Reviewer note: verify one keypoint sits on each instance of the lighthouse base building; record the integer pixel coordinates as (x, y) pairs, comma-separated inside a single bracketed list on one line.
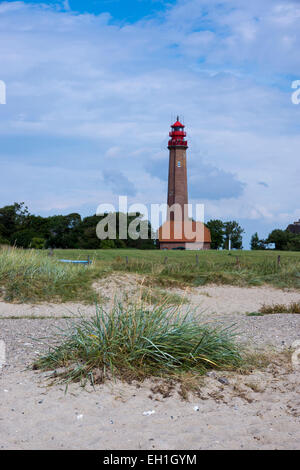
[(180, 232), (190, 236)]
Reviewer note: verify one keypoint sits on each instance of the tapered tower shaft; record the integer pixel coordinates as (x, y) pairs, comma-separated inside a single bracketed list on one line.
[(177, 181)]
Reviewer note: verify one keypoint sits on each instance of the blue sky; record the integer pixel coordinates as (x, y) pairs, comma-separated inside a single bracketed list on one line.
[(92, 88), (124, 11)]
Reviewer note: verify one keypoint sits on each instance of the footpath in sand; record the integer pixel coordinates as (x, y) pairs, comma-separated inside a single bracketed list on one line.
[(260, 410)]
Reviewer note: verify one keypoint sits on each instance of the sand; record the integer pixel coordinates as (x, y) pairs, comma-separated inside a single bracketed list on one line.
[(260, 410)]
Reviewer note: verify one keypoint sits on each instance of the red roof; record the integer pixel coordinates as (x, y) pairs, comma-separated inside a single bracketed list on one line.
[(177, 124)]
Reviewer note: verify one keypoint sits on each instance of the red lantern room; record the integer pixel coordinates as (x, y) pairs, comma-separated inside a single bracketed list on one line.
[(177, 135)]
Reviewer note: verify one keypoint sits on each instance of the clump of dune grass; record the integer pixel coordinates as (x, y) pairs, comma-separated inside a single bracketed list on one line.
[(293, 307), (158, 296), (31, 276), (134, 342)]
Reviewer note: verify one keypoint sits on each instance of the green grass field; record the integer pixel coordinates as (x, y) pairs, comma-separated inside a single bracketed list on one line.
[(196, 268), (180, 256), (31, 275)]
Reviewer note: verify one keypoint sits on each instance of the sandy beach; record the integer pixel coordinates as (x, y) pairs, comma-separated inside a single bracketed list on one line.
[(260, 410)]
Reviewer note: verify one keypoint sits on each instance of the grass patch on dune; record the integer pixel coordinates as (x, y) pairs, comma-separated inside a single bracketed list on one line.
[(214, 267), (32, 276), (158, 296), (134, 342), (229, 273), (134, 265), (176, 268), (293, 307)]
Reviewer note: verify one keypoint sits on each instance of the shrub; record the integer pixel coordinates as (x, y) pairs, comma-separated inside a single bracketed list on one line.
[(107, 244)]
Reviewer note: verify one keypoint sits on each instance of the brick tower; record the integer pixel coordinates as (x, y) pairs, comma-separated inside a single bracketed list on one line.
[(177, 182), (179, 232)]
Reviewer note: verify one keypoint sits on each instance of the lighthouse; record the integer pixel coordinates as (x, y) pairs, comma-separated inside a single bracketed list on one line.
[(180, 232), (177, 181)]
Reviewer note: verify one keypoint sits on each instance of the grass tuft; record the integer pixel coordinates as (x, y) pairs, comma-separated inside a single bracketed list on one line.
[(158, 296), (135, 342), (293, 307)]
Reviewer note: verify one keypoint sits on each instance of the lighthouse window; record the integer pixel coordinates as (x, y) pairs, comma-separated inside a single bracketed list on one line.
[(178, 164)]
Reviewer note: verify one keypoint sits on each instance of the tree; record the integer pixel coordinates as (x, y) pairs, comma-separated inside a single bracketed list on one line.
[(23, 238), (280, 238), (294, 243), (134, 226), (4, 241), (37, 243), (12, 219), (37, 224), (87, 237), (284, 240), (63, 231), (216, 228), (234, 230), (106, 244), (256, 243)]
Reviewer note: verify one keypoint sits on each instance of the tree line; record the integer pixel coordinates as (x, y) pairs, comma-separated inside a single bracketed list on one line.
[(20, 228)]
